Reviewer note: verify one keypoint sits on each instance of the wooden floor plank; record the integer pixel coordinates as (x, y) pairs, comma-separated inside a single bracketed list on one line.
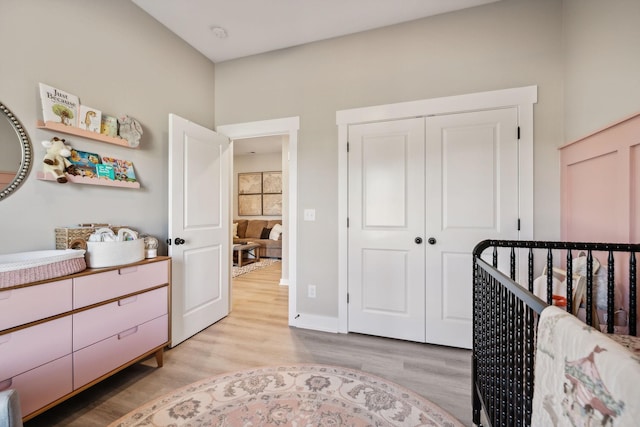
[(256, 333)]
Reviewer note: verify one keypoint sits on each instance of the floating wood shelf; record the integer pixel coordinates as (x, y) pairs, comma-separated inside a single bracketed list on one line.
[(70, 130), (91, 181)]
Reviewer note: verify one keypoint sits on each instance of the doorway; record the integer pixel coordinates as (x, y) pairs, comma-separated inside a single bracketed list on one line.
[(285, 127), (432, 116), (263, 155)]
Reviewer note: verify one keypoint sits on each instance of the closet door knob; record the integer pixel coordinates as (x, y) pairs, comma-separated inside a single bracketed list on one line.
[(432, 240), (179, 241), (418, 240)]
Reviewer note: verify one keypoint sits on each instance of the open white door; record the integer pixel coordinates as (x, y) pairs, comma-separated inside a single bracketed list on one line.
[(198, 227)]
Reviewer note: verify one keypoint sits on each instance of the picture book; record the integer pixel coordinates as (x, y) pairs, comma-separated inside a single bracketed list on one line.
[(84, 162), (89, 119), (109, 126), (106, 171), (58, 106), (122, 169)]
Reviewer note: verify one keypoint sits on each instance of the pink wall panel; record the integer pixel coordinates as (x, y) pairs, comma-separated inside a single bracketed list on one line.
[(600, 191), (590, 200), (635, 192)]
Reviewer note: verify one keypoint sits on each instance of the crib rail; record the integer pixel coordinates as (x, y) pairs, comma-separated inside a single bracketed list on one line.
[(506, 317)]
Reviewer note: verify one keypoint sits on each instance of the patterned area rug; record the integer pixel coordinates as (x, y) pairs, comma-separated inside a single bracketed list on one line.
[(264, 262), (299, 395)]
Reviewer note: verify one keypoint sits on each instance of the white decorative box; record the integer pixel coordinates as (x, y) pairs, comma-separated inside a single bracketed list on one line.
[(109, 254)]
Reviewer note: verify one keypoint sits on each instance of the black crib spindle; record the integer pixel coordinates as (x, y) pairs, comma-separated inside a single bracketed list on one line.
[(610, 293), (519, 362), (528, 362), (549, 277), (510, 357), (633, 297), (569, 282), (512, 263), (589, 303), (495, 337), (530, 268)]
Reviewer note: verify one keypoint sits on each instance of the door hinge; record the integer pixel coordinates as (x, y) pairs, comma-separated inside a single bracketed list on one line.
[(347, 297), (347, 222), (347, 147), (518, 132), (518, 224)]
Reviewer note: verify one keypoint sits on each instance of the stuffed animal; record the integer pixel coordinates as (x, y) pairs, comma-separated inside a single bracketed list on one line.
[(129, 129), (56, 162)]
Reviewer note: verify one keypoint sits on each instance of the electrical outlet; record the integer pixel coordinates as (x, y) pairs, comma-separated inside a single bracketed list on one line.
[(311, 291)]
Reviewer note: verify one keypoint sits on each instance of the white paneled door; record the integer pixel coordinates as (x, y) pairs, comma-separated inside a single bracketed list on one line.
[(422, 193), (471, 195), (198, 227), (386, 216)]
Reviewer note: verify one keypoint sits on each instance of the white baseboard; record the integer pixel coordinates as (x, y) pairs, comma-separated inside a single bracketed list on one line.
[(284, 282), (316, 323)]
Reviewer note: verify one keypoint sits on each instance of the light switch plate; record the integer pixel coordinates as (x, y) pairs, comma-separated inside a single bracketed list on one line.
[(309, 214)]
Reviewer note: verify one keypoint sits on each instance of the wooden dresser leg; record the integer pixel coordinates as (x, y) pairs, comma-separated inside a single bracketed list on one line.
[(160, 358)]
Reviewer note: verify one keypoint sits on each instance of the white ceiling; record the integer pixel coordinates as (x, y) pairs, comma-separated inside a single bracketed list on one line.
[(258, 26), (259, 145)]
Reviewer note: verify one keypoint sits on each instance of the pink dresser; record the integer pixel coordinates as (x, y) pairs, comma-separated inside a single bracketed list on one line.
[(61, 336)]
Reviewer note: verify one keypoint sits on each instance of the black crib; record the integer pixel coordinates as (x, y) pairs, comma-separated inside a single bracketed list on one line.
[(505, 318)]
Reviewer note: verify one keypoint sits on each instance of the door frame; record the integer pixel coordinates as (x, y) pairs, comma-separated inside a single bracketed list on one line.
[(522, 98), (284, 126)]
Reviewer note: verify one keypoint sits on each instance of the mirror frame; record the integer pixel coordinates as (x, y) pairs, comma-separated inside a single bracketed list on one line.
[(27, 153)]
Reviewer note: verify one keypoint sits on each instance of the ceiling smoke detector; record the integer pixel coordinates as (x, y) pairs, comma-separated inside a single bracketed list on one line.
[(219, 32)]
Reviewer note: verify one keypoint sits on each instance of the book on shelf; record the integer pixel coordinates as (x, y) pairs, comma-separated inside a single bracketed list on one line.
[(89, 118), (109, 126), (59, 106), (105, 171), (85, 163), (122, 169)]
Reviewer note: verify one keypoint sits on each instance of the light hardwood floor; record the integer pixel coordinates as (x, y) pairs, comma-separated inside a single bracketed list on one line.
[(256, 334)]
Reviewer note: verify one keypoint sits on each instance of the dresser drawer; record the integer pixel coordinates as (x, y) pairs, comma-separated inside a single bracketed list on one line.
[(102, 357), (99, 287), (42, 385), (31, 303), (92, 326), (27, 348)]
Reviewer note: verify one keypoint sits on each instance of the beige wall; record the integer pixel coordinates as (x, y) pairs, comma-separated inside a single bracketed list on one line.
[(506, 44), (115, 58), (602, 63)]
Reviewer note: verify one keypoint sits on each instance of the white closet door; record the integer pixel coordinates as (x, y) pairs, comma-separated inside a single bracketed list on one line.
[(471, 195), (386, 215)]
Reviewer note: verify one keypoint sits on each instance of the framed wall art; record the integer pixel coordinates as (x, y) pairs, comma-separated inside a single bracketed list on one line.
[(249, 204), (250, 183), (271, 182), (272, 204), (260, 193)]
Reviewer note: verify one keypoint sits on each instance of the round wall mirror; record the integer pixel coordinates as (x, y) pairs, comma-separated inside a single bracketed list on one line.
[(15, 152)]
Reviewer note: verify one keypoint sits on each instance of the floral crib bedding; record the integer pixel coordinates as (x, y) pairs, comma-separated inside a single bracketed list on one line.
[(582, 376)]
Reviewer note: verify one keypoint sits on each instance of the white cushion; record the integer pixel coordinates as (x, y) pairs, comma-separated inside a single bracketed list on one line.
[(235, 230), (275, 232)]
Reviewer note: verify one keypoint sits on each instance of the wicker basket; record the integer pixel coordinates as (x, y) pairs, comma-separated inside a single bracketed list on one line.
[(68, 237)]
